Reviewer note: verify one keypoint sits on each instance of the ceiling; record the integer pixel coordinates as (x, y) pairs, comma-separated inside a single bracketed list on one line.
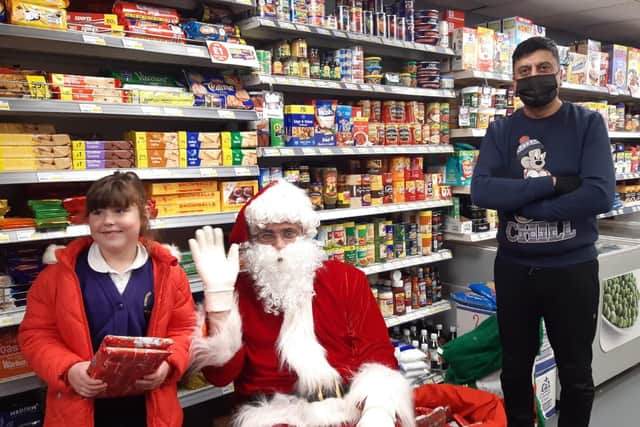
[(606, 20)]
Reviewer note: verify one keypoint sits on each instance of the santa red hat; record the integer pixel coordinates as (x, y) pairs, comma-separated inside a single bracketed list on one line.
[(276, 203)]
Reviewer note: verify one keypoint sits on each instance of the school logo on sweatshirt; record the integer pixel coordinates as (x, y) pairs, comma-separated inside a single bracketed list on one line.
[(532, 157)]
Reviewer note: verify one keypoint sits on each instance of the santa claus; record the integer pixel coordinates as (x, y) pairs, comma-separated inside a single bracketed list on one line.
[(302, 338)]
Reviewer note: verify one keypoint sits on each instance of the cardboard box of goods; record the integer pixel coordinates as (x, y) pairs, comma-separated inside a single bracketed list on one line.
[(169, 188), (633, 71), (485, 50), (77, 81), (36, 152), (454, 18), (85, 94), (495, 25), (32, 164), (144, 141), (101, 145), (104, 155), (204, 141), (299, 123), (235, 193), (37, 128), (161, 159), (617, 66), (33, 14), (577, 69), (151, 97), (34, 139), (169, 199), (502, 56), (189, 207), (204, 158), (464, 43), (237, 140), (518, 28), (12, 361), (604, 69), (239, 157), (94, 23), (81, 164)]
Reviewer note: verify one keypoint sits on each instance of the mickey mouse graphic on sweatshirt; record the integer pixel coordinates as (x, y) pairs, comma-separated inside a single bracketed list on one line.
[(532, 156)]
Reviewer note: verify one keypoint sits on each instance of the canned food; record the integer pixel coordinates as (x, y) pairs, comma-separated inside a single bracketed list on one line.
[(375, 114), (401, 28), (391, 134), (398, 191), (338, 235), (405, 135), (325, 236), (355, 16), (350, 234), (362, 257), (369, 23), (425, 243), (380, 24), (350, 255), (338, 254), (392, 23), (344, 19), (399, 249)]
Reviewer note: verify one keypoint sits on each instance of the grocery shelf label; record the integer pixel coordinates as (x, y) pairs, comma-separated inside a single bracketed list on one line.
[(232, 54), (196, 51), (175, 112), (326, 151), (4, 237), (152, 111), (132, 44), (226, 114), (308, 151), (22, 235), (300, 27), (50, 176), (323, 31), (4, 105), (287, 26), (287, 152), (208, 172), (267, 23), (90, 108), (242, 171), (90, 39)]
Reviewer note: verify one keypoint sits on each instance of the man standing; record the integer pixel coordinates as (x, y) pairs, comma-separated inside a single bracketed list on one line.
[(547, 169), (301, 338)]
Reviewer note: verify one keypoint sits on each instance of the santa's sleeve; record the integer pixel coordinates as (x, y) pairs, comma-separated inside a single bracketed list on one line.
[(377, 384)]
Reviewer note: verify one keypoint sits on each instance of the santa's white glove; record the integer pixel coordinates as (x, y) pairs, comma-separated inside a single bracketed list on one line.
[(376, 417), (217, 270)]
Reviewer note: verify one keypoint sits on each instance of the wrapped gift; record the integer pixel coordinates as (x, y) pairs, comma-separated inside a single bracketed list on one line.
[(121, 361)]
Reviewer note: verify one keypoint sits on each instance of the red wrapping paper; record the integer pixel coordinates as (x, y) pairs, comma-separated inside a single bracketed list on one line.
[(120, 361)]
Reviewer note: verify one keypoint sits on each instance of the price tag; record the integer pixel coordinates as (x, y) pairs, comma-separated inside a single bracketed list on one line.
[(226, 114), (308, 151), (208, 172), (132, 44), (323, 31), (246, 2), (287, 26), (271, 152), (348, 151), (50, 176), (152, 111), (157, 223), (337, 33), (302, 28), (351, 86), (90, 108), (325, 151), (197, 51), (175, 112), (4, 105), (267, 23), (287, 152), (378, 150), (242, 171), (333, 85), (367, 88), (355, 36), (22, 235), (88, 38), (77, 230), (4, 237)]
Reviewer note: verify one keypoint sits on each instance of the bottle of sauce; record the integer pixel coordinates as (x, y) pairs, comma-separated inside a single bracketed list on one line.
[(330, 187), (314, 64), (398, 298)]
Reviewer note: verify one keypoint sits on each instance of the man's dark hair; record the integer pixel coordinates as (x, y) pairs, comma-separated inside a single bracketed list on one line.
[(533, 44)]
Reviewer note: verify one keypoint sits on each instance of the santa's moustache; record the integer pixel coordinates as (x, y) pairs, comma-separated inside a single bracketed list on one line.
[(284, 278)]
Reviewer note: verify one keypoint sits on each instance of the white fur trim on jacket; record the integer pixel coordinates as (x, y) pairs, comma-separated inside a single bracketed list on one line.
[(375, 385), (298, 347), (218, 349), (173, 250), (49, 255)]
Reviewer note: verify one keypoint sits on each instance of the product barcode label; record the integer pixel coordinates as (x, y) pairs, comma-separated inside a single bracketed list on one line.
[(152, 111), (132, 44), (208, 172), (308, 151), (4, 105), (226, 114), (94, 39), (196, 51), (90, 108), (175, 112)]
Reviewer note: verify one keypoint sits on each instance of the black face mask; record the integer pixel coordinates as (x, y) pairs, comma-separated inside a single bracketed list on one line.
[(537, 91)]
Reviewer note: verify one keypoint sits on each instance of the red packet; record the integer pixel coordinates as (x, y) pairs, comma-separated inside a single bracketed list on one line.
[(120, 361)]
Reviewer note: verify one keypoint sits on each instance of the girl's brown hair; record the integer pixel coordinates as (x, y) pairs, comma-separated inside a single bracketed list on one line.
[(120, 190)]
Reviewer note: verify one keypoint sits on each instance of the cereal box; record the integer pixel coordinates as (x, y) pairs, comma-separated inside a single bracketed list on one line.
[(464, 41), (633, 71), (454, 18), (604, 69), (577, 69), (204, 141), (236, 140), (344, 125), (617, 66), (239, 157), (204, 157), (495, 25), (12, 362), (485, 49), (144, 141), (518, 28), (236, 193), (502, 54)]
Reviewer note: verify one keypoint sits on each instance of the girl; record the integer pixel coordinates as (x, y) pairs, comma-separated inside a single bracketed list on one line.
[(114, 282)]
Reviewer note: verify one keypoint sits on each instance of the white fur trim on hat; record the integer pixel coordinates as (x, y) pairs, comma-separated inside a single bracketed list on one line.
[(283, 202)]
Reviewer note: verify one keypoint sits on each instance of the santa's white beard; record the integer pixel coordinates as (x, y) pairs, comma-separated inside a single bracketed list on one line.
[(284, 278)]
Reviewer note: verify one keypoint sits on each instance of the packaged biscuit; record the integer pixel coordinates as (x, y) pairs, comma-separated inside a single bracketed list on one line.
[(12, 361), (204, 141), (37, 151), (144, 141), (187, 197), (85, 94), (218, 91), (144, 78), (19, 83), (34, 139), (147, 13), (82, 164), (195, 30), (43, 163), (236, 193), (239, 157), (160, 97), (190, 207), (78, 145), (161, 31), (204, 158), (27, 128), (104, 154), (94, 23), (161, 159), (237, 140), (31, 14), (74, 80), (167, 188)]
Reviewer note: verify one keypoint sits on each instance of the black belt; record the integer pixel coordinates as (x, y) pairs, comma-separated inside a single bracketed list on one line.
[(338, 391)]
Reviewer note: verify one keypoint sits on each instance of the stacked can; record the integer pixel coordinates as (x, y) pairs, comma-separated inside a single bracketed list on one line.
[(428, 74), (345, 59), (264, 60), (357, 64), (424, 232), (427, 26), (437, 228), (411, 238), (383, 240), (399, 240), (397, 174), (433, 121), (444, 123), (356, 17), (315, 12), (406, 11), (283, 11)]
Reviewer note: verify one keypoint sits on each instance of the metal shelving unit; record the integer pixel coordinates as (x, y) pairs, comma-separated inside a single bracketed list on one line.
[(631, 208), (264, 29), (19, 384), (55, 108), (104, 46), (469, 77), (353, 151), (193, 397), (329, 87), (625, 176), (331, 214), (480, 133), (471, 237), (431, 310), (11, 317), (407, 262)]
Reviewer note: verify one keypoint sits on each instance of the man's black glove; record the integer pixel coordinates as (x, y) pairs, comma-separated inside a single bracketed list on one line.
[(567, 184)]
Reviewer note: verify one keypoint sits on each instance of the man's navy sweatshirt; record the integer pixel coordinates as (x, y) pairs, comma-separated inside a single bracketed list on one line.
[(518, 157)]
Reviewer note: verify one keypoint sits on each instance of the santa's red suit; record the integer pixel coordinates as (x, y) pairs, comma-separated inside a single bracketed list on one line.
[(287, 362)]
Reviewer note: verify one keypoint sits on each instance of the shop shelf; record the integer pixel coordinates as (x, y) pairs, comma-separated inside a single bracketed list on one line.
[(193, 397), (353, 151), (468, 133), (624, 135), (329, 87), (331, 214), (11, 317), (73, 109), (431, 310), (19, 384), (104, 46), (631, 208), (471, 237), (264, 29), (472, 77), (33, 177), (407, 262), (624, 176)]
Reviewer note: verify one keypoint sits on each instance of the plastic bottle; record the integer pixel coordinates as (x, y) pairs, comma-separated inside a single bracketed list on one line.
[(453, 330), (415, 343), (406, 336), (434, 355), (439, 329), (385, 300), (398, 298), (424, 337)]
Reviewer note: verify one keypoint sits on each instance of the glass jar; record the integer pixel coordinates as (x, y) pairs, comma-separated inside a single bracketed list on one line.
[(314, 64)]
